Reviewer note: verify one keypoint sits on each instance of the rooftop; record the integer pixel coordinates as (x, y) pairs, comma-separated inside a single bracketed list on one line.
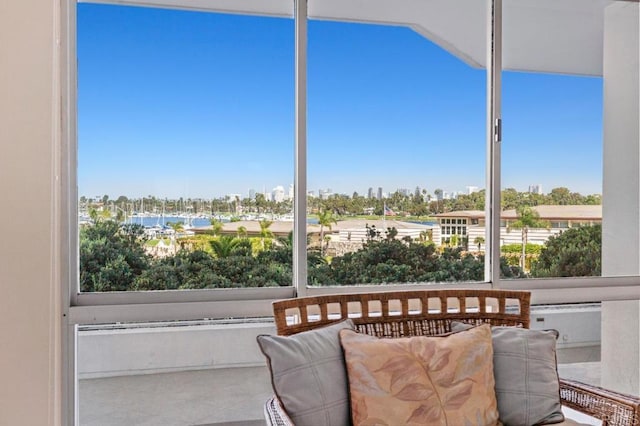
[(578, 212), (582, 212)]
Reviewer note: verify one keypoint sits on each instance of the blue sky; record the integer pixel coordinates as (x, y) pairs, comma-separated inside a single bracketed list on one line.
[(191, 104)]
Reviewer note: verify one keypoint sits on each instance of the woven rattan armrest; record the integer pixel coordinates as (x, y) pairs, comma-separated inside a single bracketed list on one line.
[(613, 408), (274, 414)]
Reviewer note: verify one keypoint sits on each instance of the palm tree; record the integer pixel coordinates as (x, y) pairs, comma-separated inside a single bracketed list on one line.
[(216, 226), (325, 218), (177, 227), (527, 218), (426, 235), (120, 216), (479, 241), (241, 231), (286, 242), (265, 232), (224, 246), (93, 214), (439, 194)]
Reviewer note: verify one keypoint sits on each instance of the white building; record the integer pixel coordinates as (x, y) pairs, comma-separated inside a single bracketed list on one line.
[(471, 224), (535, 189), (277, 194)]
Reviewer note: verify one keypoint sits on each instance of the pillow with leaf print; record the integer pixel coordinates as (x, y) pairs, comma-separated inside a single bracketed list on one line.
[(421, 380)]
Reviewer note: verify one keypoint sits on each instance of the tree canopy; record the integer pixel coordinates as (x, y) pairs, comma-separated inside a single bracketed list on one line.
[(112, 258), (576, 252)]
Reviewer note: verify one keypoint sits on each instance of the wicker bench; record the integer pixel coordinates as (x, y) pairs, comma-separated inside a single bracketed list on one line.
[(415, 313)]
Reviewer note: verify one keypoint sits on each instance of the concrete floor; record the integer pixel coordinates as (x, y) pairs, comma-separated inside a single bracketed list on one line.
[(204, 397), (220, 397), (585, 372)]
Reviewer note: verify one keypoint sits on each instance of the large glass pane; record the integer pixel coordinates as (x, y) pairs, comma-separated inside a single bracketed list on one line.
[(552, 110), (570, 157), (396, 169), (185, 140), (557, 182)]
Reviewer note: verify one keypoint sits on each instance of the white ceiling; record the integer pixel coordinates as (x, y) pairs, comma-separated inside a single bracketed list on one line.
[(555, 36)]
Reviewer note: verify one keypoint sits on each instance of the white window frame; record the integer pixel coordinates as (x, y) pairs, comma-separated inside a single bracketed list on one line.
[(99, 307)]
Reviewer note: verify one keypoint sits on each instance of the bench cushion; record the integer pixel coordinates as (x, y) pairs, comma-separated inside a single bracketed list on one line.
[(308, 375), (525, 368), (421, 380)]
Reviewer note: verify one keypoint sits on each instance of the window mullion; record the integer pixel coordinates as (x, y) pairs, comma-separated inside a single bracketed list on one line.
[(494, 87), (300, 170)]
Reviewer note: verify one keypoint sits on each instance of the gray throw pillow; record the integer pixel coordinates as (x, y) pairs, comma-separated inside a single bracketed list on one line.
[(309, 376), (525, 369)]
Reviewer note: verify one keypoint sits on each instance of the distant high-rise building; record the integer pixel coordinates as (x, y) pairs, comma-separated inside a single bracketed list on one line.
[(370, 193), (252, 194), (379, 193), (290, 195), (535, 189), (325, 193), (403, 191), (472, 189), (278, 194)]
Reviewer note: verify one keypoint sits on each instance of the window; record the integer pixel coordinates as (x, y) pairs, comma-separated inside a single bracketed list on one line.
[(386, 124), (381, 98), (185, 140), (554, 115), (375, 116)]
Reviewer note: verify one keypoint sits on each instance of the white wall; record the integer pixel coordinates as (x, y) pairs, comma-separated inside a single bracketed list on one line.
[(154, 349), (621, 195), (146, 350), (30, 305)]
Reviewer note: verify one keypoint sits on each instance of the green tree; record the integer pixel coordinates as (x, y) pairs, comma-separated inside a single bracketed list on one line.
[(439, 200), (478, 241), (527, 218), (562, 196), (216, 226), (511, 199), (426, 236), (265, 232), (226, 246), (261, 202), (111, 256), (325, 219), (176, 226), (120, 215), (576, 252)]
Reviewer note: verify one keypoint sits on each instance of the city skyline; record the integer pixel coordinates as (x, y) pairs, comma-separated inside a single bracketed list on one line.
[(197, 105), (372, 192)]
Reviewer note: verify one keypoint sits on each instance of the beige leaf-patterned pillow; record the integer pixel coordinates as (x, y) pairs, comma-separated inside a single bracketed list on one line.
[(421, 380)]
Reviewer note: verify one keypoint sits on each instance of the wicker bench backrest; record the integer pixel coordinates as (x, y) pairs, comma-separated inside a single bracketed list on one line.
[(404, 313)]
